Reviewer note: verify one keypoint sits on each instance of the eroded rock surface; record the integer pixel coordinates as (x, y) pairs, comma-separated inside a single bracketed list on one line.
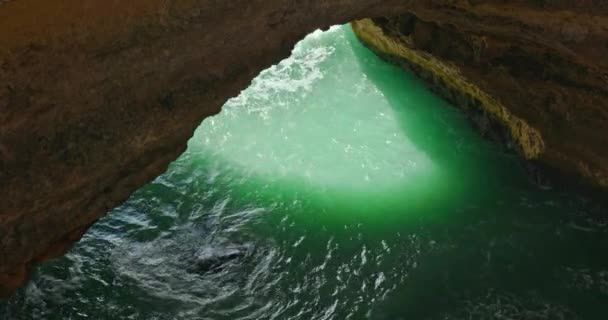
[(97, 97)]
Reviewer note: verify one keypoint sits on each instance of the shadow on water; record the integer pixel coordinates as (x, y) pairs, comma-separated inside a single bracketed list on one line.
[(464, 160), (525, 253), (439, 129)]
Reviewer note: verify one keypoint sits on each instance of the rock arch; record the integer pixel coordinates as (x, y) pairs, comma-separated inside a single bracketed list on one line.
[(97, 97)]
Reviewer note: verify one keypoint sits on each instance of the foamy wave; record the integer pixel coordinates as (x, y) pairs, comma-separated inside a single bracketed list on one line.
[(292, 77)]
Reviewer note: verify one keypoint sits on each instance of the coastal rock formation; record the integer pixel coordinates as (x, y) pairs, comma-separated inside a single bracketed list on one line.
[(97, 97), (527, 80)]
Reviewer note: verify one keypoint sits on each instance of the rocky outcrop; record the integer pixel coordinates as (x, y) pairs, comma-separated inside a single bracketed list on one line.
[(97, 97)]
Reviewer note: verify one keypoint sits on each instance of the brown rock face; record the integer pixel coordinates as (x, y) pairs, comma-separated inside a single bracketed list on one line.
[(97, 97)]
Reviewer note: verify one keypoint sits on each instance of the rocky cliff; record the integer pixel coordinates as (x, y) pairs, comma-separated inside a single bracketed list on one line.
[(97, 97)]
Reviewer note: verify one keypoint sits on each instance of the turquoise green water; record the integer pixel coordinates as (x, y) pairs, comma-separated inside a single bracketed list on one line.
[(335, 187)]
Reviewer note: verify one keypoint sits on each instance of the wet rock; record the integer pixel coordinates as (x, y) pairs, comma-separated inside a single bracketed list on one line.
[(213, 259)]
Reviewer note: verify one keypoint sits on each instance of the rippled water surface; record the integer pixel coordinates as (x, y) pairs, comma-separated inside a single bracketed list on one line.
[(335, 187)]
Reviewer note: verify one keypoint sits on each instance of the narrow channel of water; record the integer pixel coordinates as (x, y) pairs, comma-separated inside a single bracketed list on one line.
[(335, 187)]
